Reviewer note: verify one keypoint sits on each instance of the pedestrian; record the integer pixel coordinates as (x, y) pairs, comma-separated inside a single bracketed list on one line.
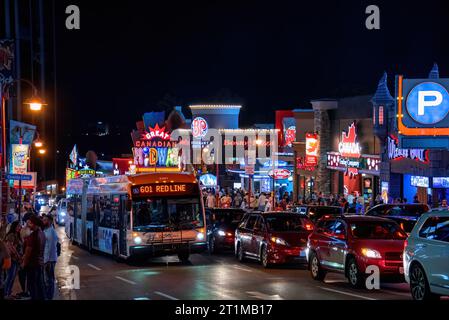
[(225, 201), (33, 259), (50, 256), (5, 264), (3, 227), (238, 200), (210, 203), (444, 205), (14, 244), (415, 199), (262, 202)]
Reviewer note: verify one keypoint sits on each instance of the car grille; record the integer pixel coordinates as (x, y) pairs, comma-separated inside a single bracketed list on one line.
[(393, 258)]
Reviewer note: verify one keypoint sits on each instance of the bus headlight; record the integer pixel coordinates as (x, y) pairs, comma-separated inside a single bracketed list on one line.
[(137, 240), (200, 236)]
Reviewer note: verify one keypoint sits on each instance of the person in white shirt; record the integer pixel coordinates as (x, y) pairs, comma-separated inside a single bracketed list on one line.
[(210, 203), (50, 256), (262, 202)]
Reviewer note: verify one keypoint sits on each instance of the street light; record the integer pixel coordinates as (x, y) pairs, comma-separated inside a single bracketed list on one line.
[(35, 103), (38, 144), (42, 151)]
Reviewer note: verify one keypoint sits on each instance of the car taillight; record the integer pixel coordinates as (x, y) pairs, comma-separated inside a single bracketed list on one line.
[(405, 244), (309, 227)]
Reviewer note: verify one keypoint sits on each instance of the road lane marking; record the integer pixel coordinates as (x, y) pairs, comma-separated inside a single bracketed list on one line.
[(165, 295), (263, 296), (347, 293), (94, 267), (126, 280), (396, 293), (243, 269)]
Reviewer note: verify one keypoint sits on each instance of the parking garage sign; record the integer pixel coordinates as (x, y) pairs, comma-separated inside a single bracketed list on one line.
[(423, 113), (428, 103)]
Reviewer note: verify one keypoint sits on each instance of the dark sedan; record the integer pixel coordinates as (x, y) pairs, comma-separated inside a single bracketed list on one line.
[(221, 225)]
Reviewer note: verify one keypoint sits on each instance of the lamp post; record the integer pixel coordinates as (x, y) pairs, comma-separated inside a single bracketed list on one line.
[(35, 104)]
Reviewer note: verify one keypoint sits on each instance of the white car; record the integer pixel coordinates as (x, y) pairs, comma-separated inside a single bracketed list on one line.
[(426, 256), (61, 212)]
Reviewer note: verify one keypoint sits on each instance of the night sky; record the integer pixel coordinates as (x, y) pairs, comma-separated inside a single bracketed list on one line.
[(135, 56)]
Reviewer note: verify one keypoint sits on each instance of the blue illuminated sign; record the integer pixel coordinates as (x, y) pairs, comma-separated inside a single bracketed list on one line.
[(422, 182), (428, 103), (441, 182)]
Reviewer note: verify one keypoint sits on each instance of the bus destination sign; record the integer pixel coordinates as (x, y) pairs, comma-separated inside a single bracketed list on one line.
[(163, 189)]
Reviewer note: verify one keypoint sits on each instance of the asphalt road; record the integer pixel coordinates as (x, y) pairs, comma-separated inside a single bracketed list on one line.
[(207, 277)]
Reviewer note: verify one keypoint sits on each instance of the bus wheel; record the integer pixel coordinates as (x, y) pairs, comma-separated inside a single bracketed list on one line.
[(183, 257)]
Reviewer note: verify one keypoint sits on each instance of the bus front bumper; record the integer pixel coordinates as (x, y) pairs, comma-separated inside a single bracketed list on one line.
[(163, 249)]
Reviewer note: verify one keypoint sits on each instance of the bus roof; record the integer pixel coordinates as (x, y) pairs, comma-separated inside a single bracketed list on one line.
[(121, 184)]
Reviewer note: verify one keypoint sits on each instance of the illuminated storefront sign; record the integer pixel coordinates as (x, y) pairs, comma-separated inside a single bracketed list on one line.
[(312, 146), (20, 158), (280, 174), (199, 127), (417, 181), (440, 182), (369, 164), (164, 189), (396, 153), (348, 146)]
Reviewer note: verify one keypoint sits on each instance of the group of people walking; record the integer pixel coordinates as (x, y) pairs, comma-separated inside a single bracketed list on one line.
[(29, 250)]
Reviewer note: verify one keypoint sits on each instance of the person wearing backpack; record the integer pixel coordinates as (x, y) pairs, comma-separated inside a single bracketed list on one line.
[(50, 256)]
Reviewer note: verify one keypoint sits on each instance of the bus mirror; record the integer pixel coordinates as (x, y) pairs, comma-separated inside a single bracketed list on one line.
[(129, 205)]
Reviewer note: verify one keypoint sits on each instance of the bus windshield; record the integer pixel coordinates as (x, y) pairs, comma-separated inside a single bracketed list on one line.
[(174, 213)]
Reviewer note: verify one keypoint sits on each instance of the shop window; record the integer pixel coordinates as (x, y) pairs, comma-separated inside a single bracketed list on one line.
[(381, 115)]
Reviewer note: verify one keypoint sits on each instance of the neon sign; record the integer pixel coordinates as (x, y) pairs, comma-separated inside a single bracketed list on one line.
[(395, 153), (157, 132), (199, 127), (349, 147)]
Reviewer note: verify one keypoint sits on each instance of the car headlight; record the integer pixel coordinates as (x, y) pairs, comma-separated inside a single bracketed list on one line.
[(279, 241), (370, 253), (221, 233), (63, 214), (137, 240)]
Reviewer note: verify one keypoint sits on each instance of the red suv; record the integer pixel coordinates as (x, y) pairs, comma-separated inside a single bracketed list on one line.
[(349, 244), (273, 237)]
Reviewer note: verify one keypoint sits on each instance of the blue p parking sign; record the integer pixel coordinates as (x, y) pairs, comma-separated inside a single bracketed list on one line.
[(428, 103)]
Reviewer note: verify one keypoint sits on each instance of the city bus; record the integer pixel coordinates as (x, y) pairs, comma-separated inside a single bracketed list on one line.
[(137, 216)]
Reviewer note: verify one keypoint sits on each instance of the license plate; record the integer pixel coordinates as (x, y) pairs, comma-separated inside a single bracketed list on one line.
[(401, 270)]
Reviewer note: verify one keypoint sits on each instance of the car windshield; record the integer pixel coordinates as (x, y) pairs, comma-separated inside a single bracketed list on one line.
[(285, 223), (377, 230), (181, 213), (412, 211), (227, 217)]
